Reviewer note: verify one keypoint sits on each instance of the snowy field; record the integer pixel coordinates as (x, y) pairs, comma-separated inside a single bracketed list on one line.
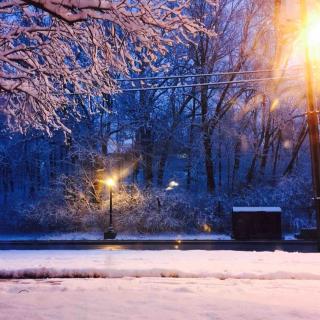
[(159, 285)]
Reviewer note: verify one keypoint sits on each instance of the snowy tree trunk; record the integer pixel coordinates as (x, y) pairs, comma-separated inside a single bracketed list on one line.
[(296, 149), (277, 153), (190, 145), (266, 138), (207, 143)]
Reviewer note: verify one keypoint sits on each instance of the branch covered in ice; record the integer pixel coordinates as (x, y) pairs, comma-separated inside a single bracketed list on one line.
[(53, 47)]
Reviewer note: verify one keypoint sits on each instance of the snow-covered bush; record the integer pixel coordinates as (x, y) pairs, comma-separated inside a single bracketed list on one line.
[(137, 211), (293, 194), (152, 211), (73, 205)]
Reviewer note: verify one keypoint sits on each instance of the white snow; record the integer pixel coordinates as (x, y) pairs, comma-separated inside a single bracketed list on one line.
[(190, 264), (154, 298), (212, 285), (256, 209)]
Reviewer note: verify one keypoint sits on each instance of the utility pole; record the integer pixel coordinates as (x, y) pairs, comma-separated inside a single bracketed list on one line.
[(312, 120)]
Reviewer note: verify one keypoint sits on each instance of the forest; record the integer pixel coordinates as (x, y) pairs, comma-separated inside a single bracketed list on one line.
[(194, 106)]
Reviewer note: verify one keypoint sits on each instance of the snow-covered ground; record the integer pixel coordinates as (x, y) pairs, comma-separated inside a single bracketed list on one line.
[(159, 285), (121, 236), (156, 298)]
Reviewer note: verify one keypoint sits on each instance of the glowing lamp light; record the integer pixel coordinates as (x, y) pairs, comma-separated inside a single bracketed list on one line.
[(172, 185), (207, 228), (110, 182)]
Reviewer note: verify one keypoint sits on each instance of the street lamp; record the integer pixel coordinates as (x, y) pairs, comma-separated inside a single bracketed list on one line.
[(110, 233)]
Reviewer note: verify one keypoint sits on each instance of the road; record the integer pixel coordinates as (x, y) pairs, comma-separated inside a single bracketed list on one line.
[(284, 245)]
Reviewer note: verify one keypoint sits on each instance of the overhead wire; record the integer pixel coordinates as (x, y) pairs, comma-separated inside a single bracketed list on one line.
[(209, 84), (201, 84), (197, 75)]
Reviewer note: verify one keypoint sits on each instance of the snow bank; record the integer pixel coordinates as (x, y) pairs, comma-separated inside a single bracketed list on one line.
[(176, 264), (46, 273), (159, 285)]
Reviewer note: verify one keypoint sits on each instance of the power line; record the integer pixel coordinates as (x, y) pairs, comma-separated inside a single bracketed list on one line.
[(211, 84), (197, 75)]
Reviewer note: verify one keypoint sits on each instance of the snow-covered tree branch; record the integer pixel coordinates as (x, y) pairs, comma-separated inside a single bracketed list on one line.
[(53, 47)]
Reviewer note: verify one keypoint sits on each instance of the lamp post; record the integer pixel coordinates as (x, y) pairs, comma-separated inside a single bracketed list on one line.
[(110, 233)]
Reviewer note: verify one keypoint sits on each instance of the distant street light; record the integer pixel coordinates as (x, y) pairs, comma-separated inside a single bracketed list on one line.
[(172, 185), (110, 233)]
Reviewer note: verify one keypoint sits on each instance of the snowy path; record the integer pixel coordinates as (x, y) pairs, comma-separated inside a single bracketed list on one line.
[(212, 285)]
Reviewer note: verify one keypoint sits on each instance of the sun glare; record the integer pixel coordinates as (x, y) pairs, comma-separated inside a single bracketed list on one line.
[(312, 36)]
